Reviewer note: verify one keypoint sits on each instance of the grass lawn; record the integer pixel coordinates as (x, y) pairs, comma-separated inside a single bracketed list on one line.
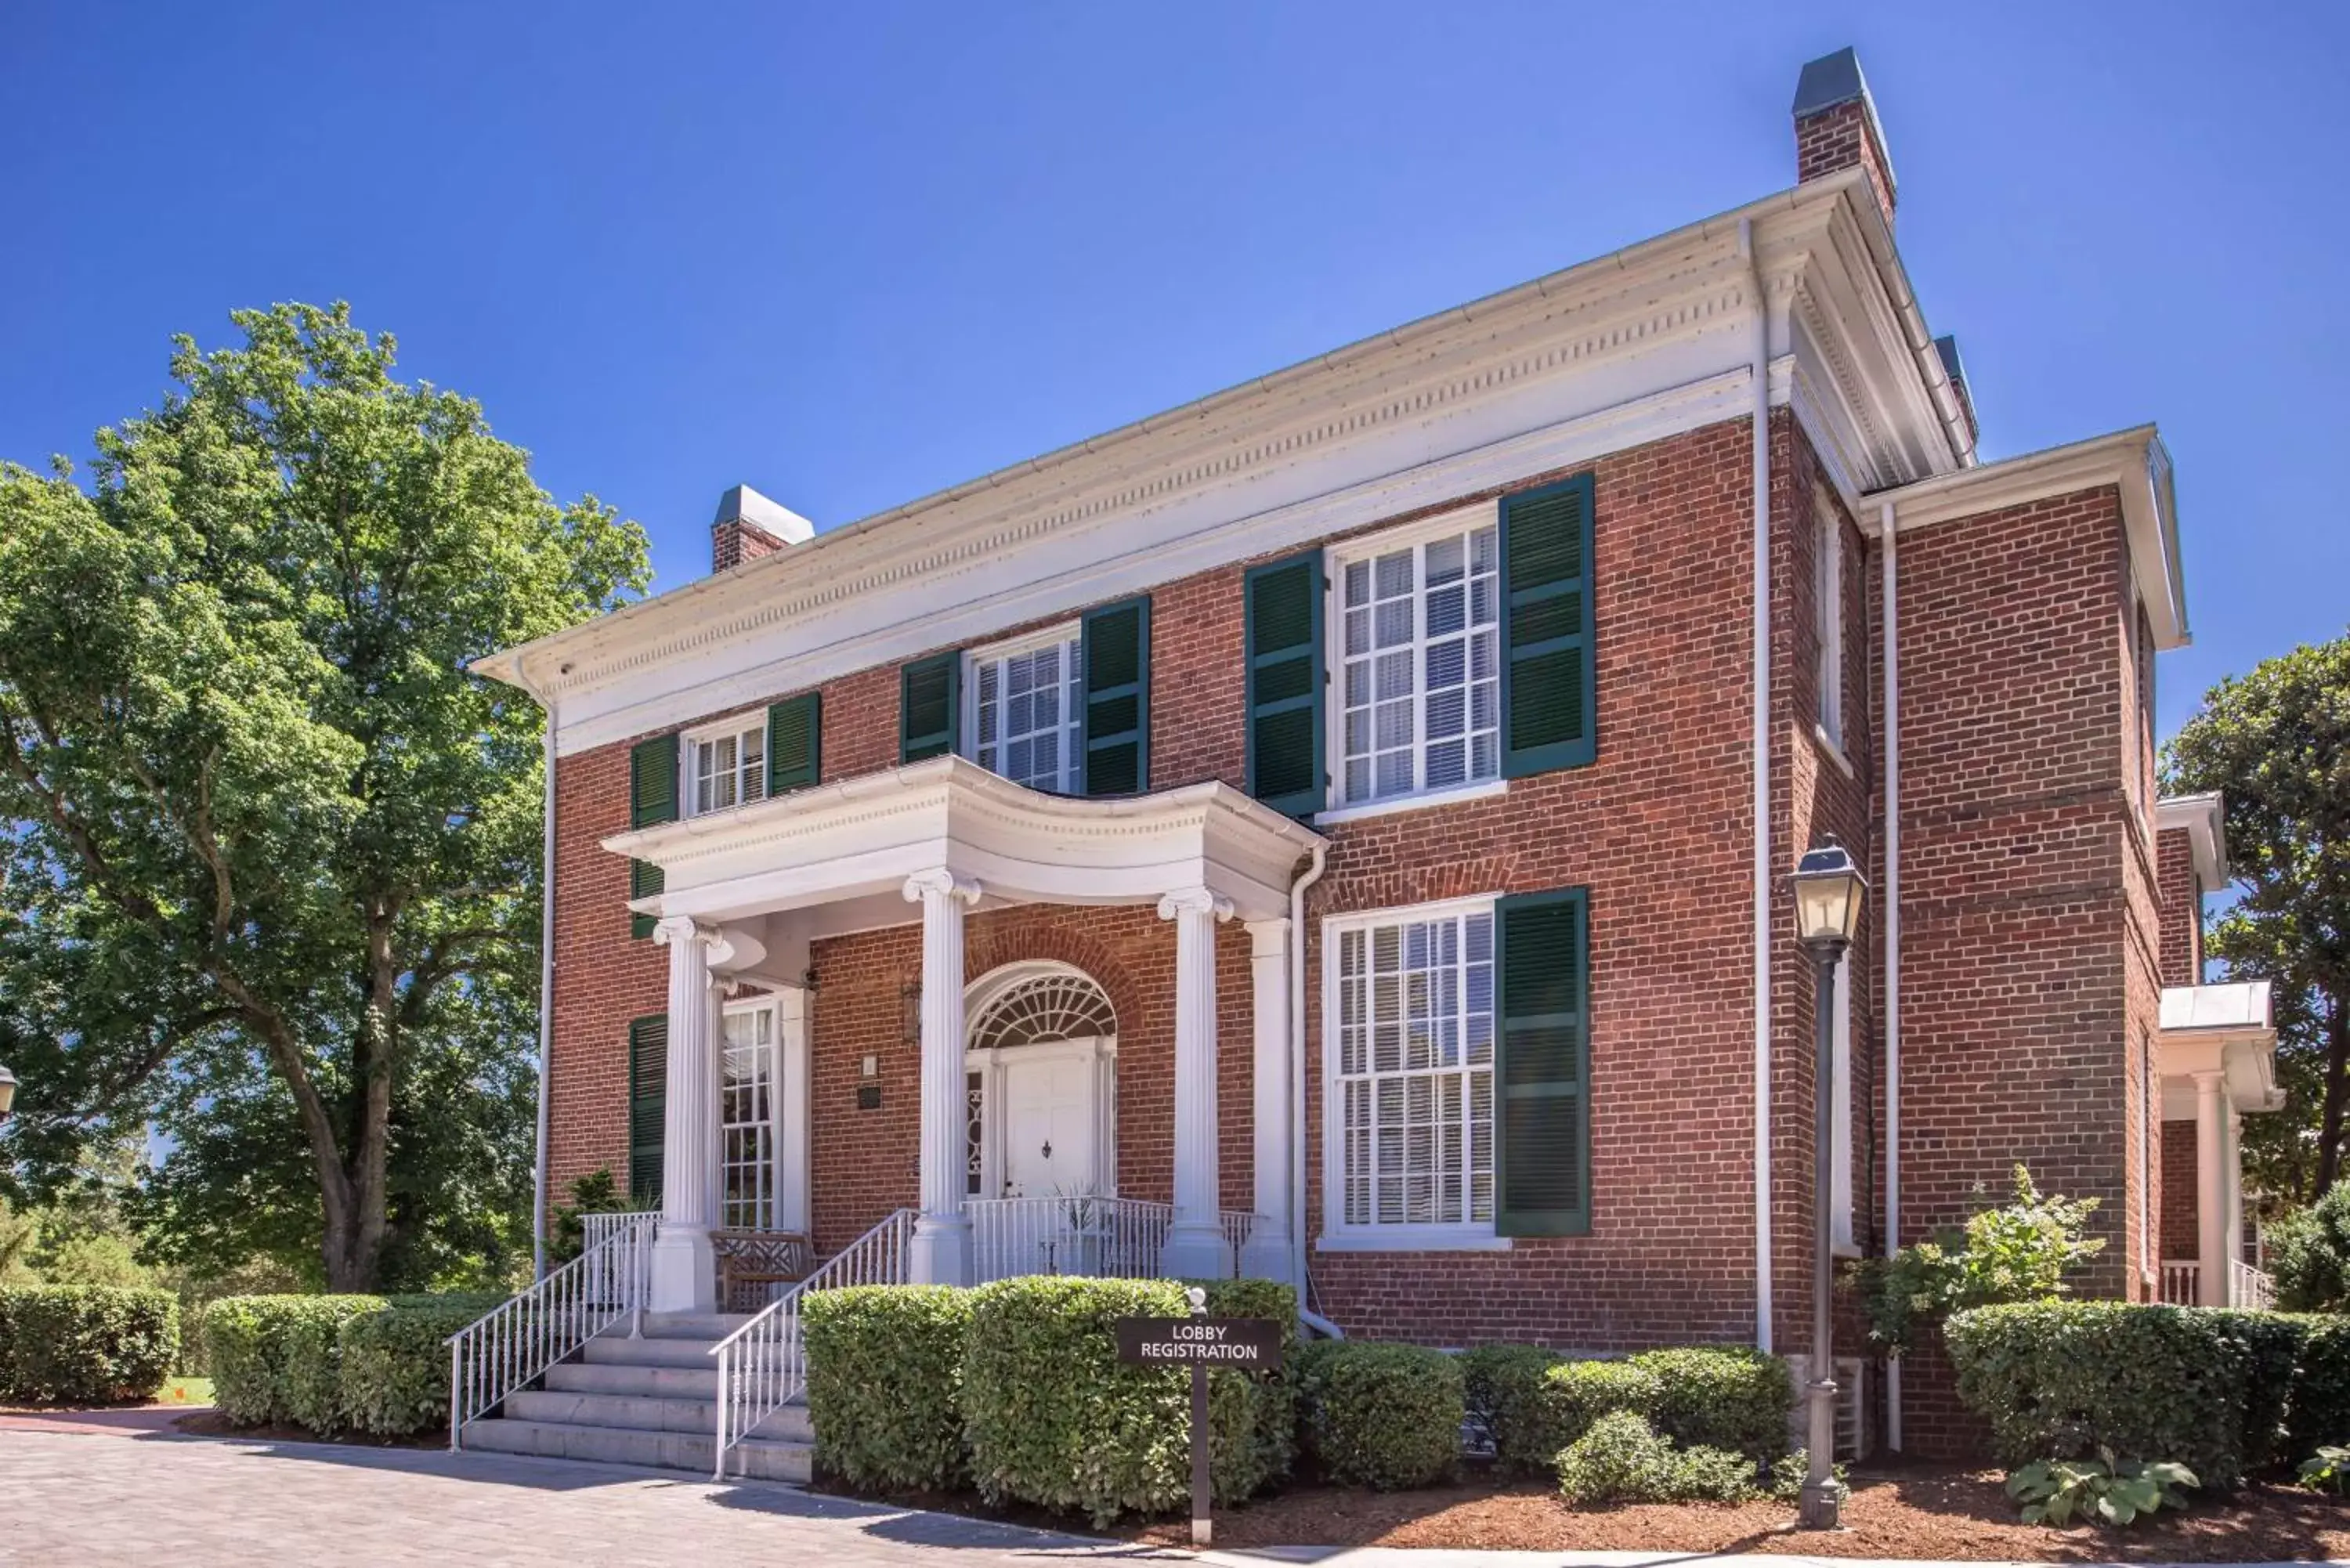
[(186, 1391)]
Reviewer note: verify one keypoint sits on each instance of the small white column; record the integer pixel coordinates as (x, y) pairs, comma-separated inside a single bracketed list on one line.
[(1195, 1241), (1267, 1255), (2210, 1191), (684, 1273), (795, 1166), (941, 1253), (2233, 1172)]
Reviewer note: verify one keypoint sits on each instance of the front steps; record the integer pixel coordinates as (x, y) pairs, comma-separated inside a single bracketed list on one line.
[(651, 1401)]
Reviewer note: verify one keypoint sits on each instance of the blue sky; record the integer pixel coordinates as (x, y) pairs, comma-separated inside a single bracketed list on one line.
[(850, 254)]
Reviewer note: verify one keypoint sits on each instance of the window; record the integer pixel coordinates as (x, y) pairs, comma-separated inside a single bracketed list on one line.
[(727, 767), (1024, 705), (746, 1118), (1418, 644), (1827, 593), (1410, 1066), (1840, 1184)]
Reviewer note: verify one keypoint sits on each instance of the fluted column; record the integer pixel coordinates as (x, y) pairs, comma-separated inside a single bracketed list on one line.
[(2211, 1190), (1266, 1255), (941, 1244), (1195, 1241), (684, 1275), (794, 1100)]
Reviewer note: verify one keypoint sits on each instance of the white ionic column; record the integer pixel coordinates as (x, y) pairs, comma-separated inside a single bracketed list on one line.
[(2232, 1171), (1195, 1241), (684, 1275), (1266, 1255), (796, 1167), (942, 1245), (2211, 1190)]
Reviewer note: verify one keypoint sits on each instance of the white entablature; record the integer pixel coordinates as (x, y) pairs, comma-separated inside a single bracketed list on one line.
[(851, 845)]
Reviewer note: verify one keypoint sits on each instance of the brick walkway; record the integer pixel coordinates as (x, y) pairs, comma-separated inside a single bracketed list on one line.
[(84, 1498)]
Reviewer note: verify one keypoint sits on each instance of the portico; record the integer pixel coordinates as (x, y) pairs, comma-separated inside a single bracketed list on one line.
[(745, 892), (2219, 1063)]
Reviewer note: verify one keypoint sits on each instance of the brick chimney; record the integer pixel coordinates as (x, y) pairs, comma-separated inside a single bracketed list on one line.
[(749, 525), (1947, 349), (1836, 128)]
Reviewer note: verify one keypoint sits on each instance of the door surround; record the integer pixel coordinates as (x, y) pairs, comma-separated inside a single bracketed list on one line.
[(1075, 1000)]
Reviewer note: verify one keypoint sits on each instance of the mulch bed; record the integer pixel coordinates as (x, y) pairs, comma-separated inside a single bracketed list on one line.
[(1914, 1511)]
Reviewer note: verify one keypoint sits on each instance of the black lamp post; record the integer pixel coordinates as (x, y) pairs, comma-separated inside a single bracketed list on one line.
[(1828, 890)]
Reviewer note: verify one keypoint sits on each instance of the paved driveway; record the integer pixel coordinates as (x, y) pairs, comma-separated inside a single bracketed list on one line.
[(89, 1498)]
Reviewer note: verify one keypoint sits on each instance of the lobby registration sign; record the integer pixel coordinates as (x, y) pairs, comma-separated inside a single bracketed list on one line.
[(1201, 1342)]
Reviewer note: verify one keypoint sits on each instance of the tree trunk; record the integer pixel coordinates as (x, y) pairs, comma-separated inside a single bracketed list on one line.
[(2337, 1089)]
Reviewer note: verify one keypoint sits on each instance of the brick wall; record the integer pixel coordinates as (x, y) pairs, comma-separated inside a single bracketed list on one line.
[(1837, 138), (733, 542), (2182, 909), (2181, 1237)]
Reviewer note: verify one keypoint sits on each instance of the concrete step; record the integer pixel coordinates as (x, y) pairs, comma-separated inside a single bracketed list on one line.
[(619, 1350), (648, 1382), (709, 1327), (764, 1459), (633, 1411)]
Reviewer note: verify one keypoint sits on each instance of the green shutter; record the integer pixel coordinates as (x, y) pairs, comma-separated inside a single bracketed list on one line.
[(648, 1106), (1282, 612), (653, 782), (1115, 652), (796, 743), (1542, 1169), (929, 706), (1549, 680), (645, 880)]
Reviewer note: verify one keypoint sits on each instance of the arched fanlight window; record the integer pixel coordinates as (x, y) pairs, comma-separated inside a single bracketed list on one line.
[(1062, 1005)]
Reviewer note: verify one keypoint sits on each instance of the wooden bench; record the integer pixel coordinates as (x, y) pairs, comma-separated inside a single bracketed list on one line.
[(752, 1263)]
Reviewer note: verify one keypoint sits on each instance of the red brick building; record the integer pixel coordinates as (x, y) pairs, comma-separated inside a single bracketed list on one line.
[(1339, 829)]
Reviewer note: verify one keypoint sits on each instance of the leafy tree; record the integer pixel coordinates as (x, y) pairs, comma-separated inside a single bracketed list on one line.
[(271, 853), (2277, 742)]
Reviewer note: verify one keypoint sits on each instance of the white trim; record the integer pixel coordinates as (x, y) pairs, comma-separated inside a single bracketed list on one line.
[(1759, 651), (1069, 637), (1841, 1216), (1337, 1235), (733, 727), (1484, 789), (1890, 533), (772, 1125), (2204, 818)]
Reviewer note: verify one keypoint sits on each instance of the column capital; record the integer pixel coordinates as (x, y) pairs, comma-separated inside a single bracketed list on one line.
[(2208, 1083), (677, 930), (1268, 938), (940, 882), (1194, 902)]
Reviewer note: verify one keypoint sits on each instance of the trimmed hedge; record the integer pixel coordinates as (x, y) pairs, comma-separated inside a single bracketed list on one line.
[(2206, 1386), (1384, 1416), (287, 1359), (885, 1383), (1270, 1401), (1572, 1399), (1722, 1397), (1623, 1458), (1053, 1419), (2319, 1415), (1502, 1387), (85, 1344), (394, 1364)]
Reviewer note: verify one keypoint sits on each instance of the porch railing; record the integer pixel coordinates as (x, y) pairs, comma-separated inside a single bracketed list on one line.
[(597, 1228), (518, 1340), (2249, 1287), (2183, 1282), (1096, 1238), (762, 1366)]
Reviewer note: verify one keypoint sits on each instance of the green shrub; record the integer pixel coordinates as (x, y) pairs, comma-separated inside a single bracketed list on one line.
[(1722, 1397), (85, 1344), (1500, 1386), (2326, 1471), (394, 1364), (1384, 1416), (271, 1355), (1569, 1399), (1053, 1419), (2109, 1490), (2065, 1380), (2018, 1253), (1623, 1458), (885, 1383), (1270, 1401), (2309, 1254), (2319, 1415)]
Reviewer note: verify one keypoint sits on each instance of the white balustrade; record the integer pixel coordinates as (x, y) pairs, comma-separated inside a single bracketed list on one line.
[(762, 1365), (1092, 1237), (598, 1229), (2249, 1287), (2183, 1282), (516, 1341)]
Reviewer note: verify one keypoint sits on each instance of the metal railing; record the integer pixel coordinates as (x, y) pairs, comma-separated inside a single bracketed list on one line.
[(518, 1340), (597, 1228), (761, 1366), (1092, 1237), (2249, 1287), (2183, 1282)]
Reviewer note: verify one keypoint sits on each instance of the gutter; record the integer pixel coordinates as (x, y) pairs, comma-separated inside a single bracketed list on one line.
[(546, 979), (1298, 1127), (1762, 747), (1892, 659)]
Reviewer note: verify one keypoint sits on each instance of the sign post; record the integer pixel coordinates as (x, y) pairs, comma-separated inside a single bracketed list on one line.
[(1200, 1342)]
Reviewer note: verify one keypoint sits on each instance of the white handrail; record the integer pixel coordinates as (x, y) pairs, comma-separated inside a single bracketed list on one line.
[(521, 1337), (761, 1366), (2251, 1288), (597, 1229)]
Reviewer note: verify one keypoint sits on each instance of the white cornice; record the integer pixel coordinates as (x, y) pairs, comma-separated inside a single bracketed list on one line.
[(2203, 818), (1558, 370), (2134, 461)]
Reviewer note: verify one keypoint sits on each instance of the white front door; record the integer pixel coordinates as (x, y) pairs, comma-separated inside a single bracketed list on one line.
[(1049, 1120)]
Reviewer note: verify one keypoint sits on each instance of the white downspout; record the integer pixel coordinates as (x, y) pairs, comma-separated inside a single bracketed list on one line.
[(1297, 1241), (1892, 947), (546, 978), (1762, 379)]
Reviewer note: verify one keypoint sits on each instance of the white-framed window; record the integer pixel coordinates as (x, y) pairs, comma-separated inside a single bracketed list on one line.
[(725, 765), (1415, 646), (747, 1117), (1023, 709), (1827, 593), (1409, 1004), (1840, 1166)]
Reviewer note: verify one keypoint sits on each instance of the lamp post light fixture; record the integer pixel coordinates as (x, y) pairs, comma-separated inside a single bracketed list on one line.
[(1829, 891)]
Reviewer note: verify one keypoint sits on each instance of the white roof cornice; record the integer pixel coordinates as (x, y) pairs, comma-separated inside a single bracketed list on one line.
[(2203, 817)]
